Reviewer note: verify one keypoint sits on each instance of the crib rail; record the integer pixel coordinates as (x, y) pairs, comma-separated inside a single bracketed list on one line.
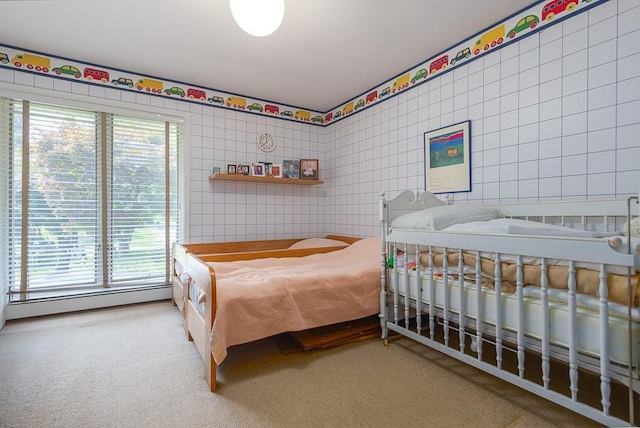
[(452, 304)]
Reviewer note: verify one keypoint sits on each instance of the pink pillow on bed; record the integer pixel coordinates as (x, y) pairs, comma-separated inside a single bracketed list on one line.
[(317, 243)]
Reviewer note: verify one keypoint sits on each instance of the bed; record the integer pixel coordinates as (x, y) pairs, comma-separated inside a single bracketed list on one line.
[(236, 297), (239, 250), (543, 282)]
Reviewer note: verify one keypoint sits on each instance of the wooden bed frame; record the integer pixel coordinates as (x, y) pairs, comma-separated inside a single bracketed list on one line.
[(432, 301), (188, 268)]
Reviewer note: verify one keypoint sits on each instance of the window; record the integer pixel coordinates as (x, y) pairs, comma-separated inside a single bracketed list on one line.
[(93, 199)]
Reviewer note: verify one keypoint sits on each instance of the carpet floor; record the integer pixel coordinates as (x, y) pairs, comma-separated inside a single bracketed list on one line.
[(132, 366)]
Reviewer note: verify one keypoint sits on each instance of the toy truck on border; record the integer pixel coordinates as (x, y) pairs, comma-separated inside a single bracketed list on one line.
[(39, 63), (489, 39)]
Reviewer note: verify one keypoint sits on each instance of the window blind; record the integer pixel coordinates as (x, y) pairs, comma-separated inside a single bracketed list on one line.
[(93, 201)]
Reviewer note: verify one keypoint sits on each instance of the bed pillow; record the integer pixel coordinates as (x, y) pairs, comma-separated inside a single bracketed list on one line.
[(438, 218), (317, 243)]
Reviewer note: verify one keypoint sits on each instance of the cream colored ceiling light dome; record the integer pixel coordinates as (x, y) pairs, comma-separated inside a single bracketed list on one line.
[(259, 18)]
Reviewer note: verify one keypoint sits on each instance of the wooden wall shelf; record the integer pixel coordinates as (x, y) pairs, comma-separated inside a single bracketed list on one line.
[(258, 179)]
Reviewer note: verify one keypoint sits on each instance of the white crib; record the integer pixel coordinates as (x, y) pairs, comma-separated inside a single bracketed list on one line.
[(524, 293)]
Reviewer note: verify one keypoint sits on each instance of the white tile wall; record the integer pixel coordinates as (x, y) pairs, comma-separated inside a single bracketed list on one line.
[(553, 116)]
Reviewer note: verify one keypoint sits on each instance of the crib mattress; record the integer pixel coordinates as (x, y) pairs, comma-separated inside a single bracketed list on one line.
[(588, 317)]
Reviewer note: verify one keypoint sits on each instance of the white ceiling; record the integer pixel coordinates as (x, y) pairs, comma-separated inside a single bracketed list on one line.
[(325, 52)]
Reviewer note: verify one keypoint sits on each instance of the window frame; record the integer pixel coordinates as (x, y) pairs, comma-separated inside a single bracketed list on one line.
[(107, 106)]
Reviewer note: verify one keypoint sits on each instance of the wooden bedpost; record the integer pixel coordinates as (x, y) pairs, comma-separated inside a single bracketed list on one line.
[(210, 311)]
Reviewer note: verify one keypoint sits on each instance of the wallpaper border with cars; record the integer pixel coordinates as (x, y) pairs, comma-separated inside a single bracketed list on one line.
[(527, 21)]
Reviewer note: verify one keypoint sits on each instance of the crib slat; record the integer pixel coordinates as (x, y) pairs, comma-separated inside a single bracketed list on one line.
[(544, 286), (418, 291), (396, 282), (479, 305), (407, 286), (573, 332), (432, 297), (445, 281), (461, 297), (498, 290), (520, 297), (605, 386)]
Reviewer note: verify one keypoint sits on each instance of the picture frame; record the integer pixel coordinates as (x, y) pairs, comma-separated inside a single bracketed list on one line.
[(447, 159), (232, 169), (275, 170), (291, 168), (244, 169), (267, 168), (257, 169), (308, 169)]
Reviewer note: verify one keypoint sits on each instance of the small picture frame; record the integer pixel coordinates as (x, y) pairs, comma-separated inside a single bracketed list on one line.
[(243, 169), (291, 169), (231, 169), (276, 171), (308, 169), (267, 168), (257, 169)]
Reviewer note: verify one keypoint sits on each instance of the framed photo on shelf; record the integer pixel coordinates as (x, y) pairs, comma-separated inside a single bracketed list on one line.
[(267, 168), (231, 169), (291, 168), (257, 169), (309, 169), (243, 169), (276, 171), (447, 159)]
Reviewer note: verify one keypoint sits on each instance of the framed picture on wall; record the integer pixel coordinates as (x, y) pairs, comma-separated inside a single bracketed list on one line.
[(309, 169), (231, 169), (244, 169), (447, 159), (291, 168)]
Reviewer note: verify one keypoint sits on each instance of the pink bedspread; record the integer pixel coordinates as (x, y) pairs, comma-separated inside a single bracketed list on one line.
[(264, 297)]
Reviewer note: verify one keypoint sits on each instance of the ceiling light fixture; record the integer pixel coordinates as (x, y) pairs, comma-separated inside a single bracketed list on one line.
[(258, 17)]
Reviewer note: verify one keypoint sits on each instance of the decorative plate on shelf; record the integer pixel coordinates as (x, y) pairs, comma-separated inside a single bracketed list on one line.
[(266, 142)]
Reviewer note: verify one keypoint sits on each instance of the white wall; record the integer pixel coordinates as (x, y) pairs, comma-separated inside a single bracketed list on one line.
[(553, 116), (230, 211)]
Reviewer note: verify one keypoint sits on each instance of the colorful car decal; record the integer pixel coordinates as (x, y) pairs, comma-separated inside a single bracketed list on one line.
[(490, 39), (463, 54), (401, 83), (68, 70), (438, 64), (237, 102), (551, 9), (95, 74), (175, 90), (123, 81), (302, 115), (197, 94), (270, 108), (149, 85), (421, 74), (32, 62), (529, 21)]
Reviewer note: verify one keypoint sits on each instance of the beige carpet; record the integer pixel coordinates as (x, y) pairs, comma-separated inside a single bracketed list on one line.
[(133, 367)]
